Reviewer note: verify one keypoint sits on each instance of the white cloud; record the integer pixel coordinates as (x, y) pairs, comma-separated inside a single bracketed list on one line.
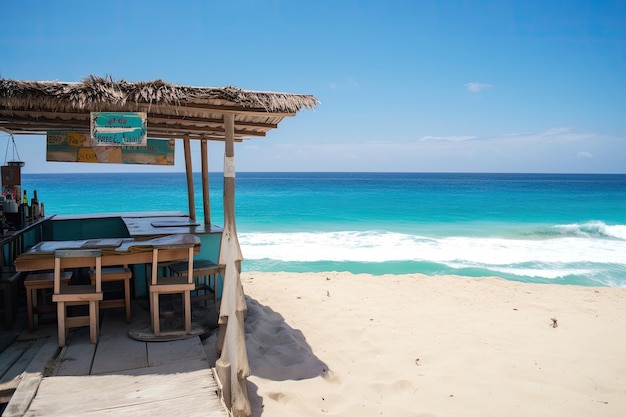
[(476, 87), (557, 131), (448, 138), (349, 82), (565, 134), (556, 149)]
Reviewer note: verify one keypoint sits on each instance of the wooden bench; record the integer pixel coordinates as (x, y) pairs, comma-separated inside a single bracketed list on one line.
[(34, 283), (116, 274)]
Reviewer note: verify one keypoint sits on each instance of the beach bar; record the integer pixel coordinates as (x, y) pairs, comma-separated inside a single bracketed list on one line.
[(103, 120)]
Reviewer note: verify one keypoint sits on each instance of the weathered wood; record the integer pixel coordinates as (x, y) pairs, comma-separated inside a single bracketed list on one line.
[(161, 353), (232, 367), (145, 227), (7, 389), (39, 282), (206, 203), (36, 369), (44, 360), (171, 285), (121, 275), (130, 251), (6, 339), (162, 378), (11, 355), (27, 352), (180, 389), (189, 172), (23, 395), (83, 120), (114, 340), (73, 294), (77, 357)]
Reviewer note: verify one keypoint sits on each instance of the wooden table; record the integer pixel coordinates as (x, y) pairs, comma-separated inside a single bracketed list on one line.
[(115, 251)]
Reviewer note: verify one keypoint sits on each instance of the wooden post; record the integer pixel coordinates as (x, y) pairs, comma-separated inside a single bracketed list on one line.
[(206, 201), (190, 195), (232, 367)]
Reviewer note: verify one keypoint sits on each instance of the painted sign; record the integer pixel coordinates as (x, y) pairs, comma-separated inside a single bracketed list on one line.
[(78, 147), (119, 128)]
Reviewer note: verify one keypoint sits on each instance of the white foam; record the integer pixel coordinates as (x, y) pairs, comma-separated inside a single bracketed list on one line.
[(548, 273), (593, 229), (374, 246)]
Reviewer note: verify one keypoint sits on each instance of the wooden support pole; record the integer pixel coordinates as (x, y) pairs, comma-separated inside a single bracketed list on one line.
[(188, 169), (206, 201), (232, 367)]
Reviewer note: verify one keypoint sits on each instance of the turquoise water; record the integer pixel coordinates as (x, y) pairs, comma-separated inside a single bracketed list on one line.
[(565, 229)]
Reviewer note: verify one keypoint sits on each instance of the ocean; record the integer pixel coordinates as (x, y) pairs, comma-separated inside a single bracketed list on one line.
[(542, 228)]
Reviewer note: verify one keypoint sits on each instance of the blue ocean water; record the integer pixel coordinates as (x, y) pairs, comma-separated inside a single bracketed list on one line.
[(548, 228)]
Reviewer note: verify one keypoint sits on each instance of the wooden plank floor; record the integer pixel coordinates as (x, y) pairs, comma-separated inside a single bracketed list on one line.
[(122, 376)]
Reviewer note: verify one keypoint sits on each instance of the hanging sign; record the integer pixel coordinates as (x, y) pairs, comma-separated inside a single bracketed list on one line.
[(78, 147), (119, 129)]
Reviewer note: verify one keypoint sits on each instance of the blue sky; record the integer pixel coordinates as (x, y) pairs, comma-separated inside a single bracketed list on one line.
[(417, 86)]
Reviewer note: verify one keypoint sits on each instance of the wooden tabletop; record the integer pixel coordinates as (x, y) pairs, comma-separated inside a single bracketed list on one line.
[(115, 251), (165, 225)]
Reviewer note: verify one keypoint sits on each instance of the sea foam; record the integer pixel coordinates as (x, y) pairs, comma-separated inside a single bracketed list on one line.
[(547, 258), (375, 246), (592, 229)]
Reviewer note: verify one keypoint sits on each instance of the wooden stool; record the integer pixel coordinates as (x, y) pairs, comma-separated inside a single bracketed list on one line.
[(34, 283), (171, 285), (78, 294), (112, 274), (202, 268)]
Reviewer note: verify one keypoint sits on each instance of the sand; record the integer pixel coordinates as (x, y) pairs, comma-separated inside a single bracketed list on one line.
[(410, 345)]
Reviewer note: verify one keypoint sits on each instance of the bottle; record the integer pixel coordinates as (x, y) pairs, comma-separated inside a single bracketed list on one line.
[(41, 211), (21, 215), (34, 206), (25, 211)]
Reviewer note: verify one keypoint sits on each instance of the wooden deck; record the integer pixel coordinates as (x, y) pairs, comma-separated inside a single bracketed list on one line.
[(118, 376)]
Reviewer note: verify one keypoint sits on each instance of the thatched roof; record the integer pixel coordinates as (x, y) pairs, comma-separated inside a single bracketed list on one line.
[(173, 111)]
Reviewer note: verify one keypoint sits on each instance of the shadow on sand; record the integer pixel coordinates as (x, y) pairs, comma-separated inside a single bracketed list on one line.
[(276, 351)]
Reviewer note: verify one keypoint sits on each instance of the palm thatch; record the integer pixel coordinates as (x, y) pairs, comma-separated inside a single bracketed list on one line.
[(173, 111)]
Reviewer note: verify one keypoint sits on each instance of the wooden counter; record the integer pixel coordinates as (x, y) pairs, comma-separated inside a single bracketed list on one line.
[(148, 226)]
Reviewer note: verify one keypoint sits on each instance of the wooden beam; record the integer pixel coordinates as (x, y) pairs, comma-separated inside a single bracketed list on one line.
[(43, 116), (189, 136), (209, 121), (180, 129), (211, 108), (76, 126), (188, 169), (189, 128)]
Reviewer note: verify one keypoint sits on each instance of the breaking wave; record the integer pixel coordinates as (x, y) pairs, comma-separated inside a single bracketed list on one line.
[(592, 250)]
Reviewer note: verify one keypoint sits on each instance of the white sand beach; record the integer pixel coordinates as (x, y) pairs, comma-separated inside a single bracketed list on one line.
[(410, 345)]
